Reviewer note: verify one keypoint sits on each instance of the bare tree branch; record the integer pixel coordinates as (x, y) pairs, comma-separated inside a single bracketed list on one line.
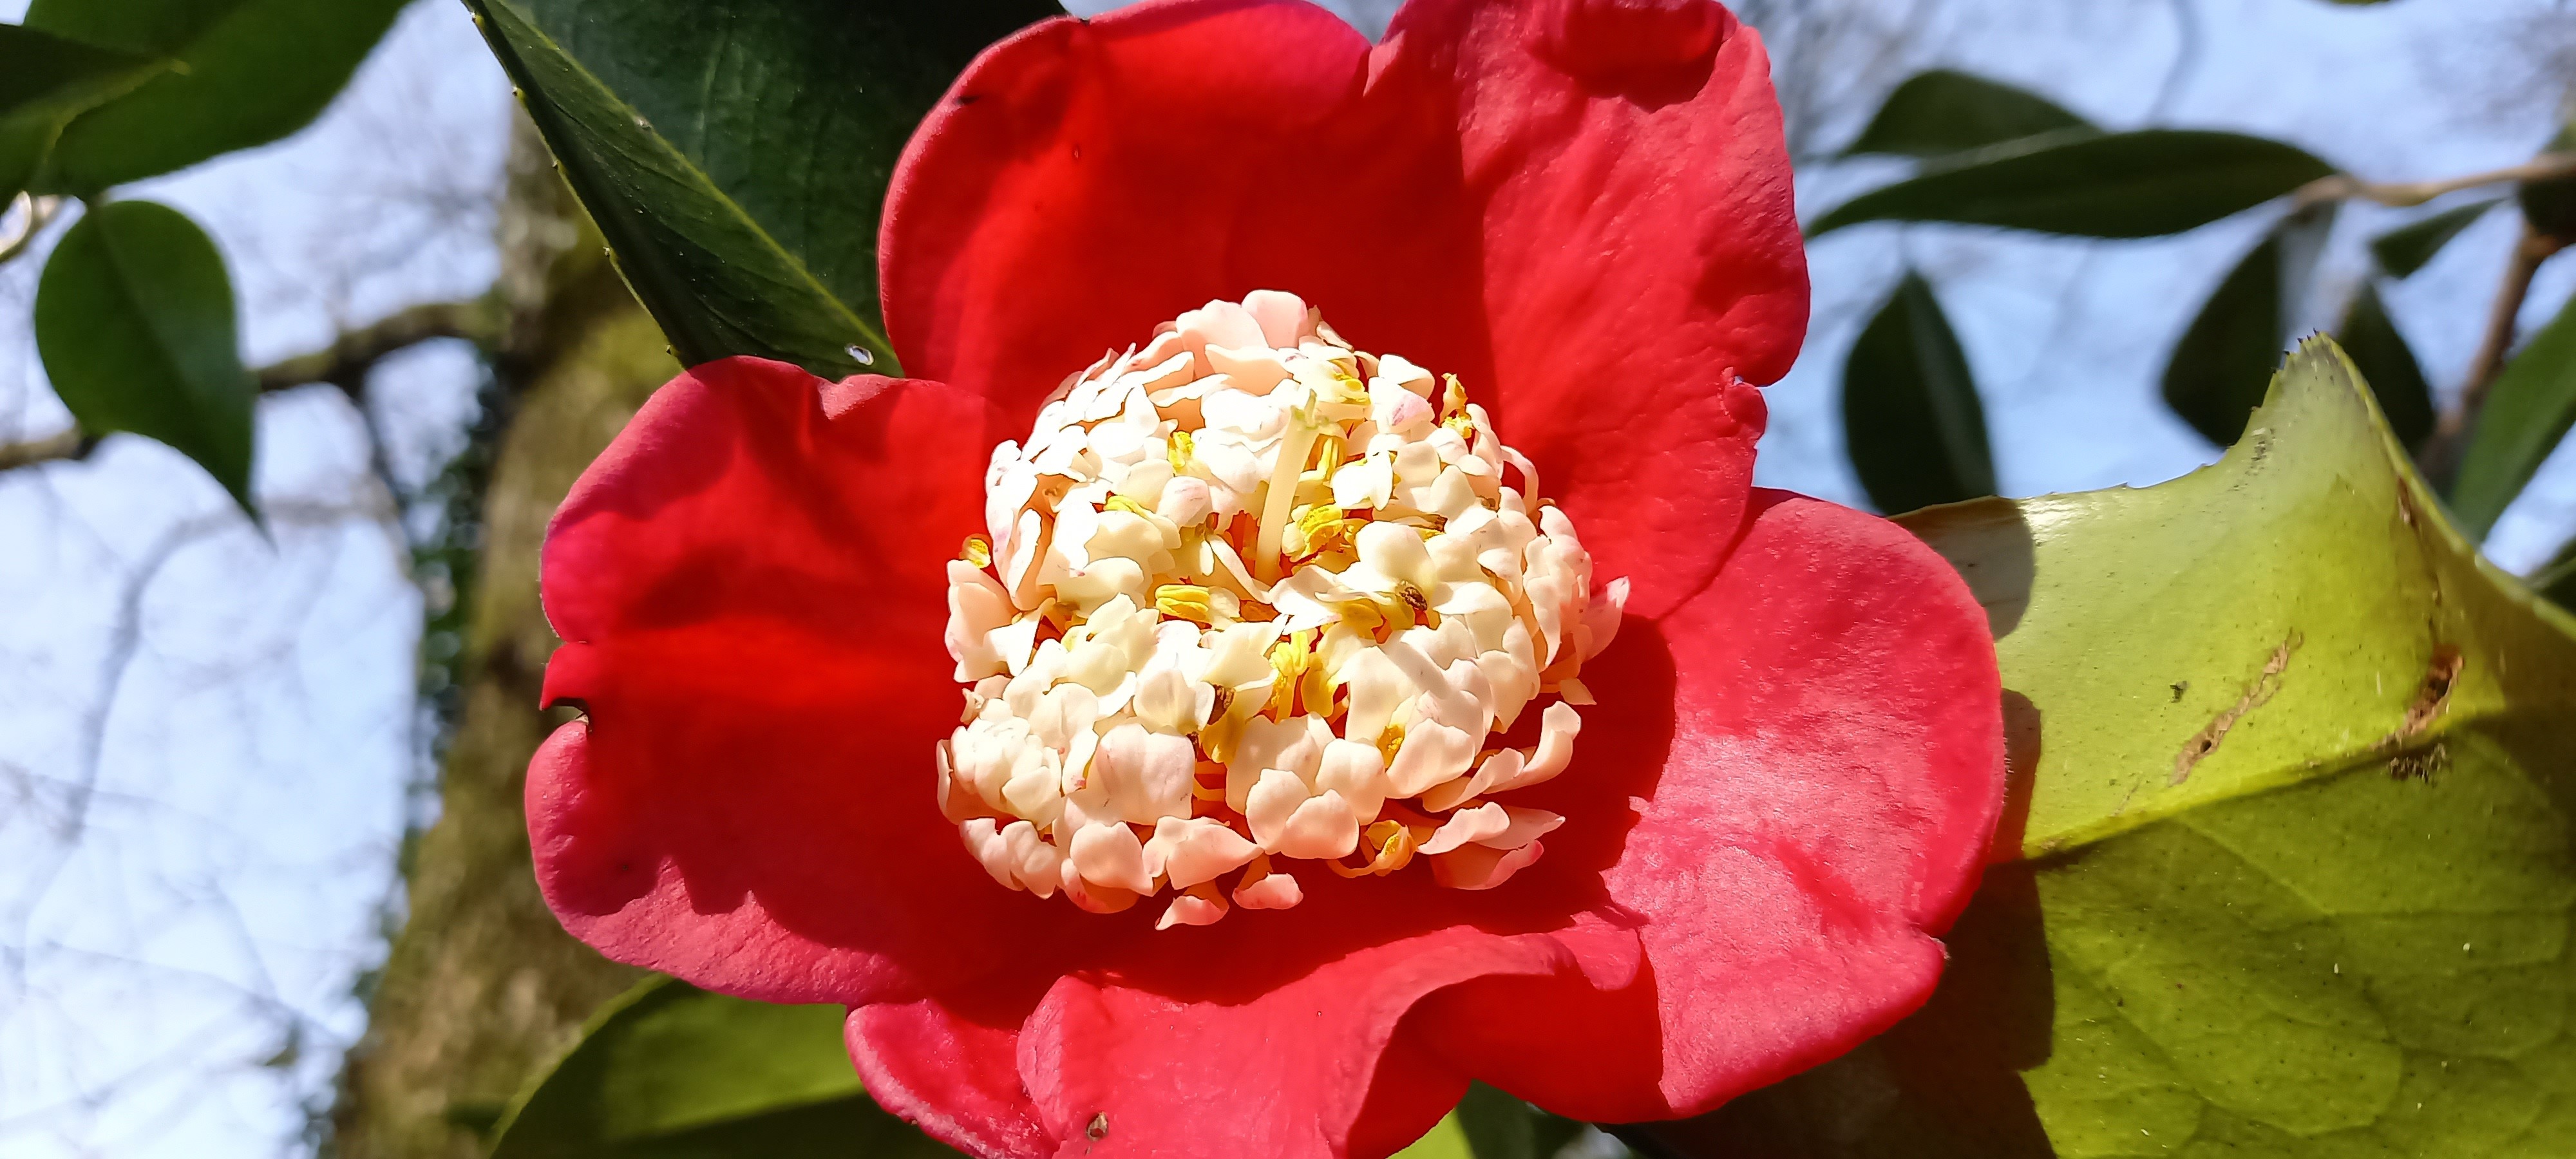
[(54, 447), (2441, 457), (347, 360)]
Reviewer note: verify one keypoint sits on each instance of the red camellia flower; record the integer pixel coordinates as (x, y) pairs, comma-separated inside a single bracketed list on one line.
[(1377, 671)]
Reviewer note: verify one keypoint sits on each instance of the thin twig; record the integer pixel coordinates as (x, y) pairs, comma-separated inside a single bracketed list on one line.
[(2441, 457), (40, 212), (51, 448), (2345, 186)]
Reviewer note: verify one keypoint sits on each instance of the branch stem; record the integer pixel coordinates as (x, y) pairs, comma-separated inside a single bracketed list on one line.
[(38, 213), (2344, 186), (2442, 451)]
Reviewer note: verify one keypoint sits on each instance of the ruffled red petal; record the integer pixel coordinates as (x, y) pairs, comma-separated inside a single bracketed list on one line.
[(1829, 782), (1581, 207), (957, 1080), (750, 585)]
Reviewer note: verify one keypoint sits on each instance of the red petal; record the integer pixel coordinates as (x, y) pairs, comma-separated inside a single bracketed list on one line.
[(956, 1080), (1310, 1069), (1583, 208), (1830, 780), (750, 583)]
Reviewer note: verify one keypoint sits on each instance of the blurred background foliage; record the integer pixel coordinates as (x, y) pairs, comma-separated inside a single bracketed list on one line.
[(485, 1024)]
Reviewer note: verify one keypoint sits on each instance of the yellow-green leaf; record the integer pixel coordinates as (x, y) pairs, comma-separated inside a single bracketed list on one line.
[(2294, 779)]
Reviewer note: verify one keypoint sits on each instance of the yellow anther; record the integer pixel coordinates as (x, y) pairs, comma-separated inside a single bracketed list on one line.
[(977, 551), (1184, 602), (1179, 452), (1320, 528), (1462, 423), (1394, 842), (1300, 676), (1453, 401), (1130, 506), (1330, 451), (1290, 656), (1389, 741), (1216, 739)]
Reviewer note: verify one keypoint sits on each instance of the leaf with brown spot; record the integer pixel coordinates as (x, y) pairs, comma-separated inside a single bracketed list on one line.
[(2346, 932)]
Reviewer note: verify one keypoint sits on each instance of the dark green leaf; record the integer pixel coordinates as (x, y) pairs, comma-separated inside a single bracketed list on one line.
[(1942, 112), (2218, 370), (45, 81), (38, 67), (134, 318), (1911, 419), (1498, 1126), (151, 27), (2296, 792), (2528, 410), (249, 72), (2550, 206), (737, 155), (669, 1071), (2388, 365), (2405, 249), (2141, 184)]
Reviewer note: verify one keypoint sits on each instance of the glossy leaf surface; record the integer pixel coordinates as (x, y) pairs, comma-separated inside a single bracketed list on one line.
[(2527, 412), (2290, 874), (1941, 112), (1911, 419), (737, 156), (2405, 249), (247, 72), (2138, 184), (134, 319), (668, 1071)]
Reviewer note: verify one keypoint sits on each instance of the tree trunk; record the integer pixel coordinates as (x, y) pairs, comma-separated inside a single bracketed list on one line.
[(482, 986)]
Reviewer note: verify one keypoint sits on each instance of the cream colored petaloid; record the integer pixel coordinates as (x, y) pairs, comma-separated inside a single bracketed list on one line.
[(1253, 595)]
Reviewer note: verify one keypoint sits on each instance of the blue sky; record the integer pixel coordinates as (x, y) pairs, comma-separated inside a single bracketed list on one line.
[(246, 711)]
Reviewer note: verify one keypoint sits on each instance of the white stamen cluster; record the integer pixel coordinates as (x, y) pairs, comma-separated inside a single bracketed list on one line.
[(1251, 594)]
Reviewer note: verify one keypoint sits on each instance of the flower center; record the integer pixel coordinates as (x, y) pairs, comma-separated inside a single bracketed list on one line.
[(1253, 596)]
